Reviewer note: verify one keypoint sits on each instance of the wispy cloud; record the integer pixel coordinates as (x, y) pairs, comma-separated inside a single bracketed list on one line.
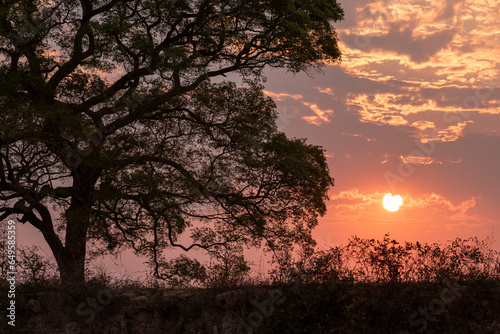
[(451, 133), (357, 199), (321, 116), (283, 96)]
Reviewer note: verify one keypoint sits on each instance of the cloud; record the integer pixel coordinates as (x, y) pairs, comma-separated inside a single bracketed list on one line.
[(419, 160), (423, 125), (358, 135), (415, 29), (322, 116), (404, 42), (283, 96), (432, 44), (423, 160), (355, 203), (451, 133), (437, 201), (374, 109)]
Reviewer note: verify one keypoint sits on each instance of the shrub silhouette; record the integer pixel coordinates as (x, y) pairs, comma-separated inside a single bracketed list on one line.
[(386, 260)]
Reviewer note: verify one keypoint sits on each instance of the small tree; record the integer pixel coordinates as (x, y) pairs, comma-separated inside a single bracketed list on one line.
[(34, 268), (109, 117), (227, 270)]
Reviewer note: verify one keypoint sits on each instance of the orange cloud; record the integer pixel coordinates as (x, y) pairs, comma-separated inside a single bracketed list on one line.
[(423, 125), (374, 109), (451, 133), (436, 200), (352, 202), (419, 160), (359, 135), (432, 44), (282, 96), (321, 115)]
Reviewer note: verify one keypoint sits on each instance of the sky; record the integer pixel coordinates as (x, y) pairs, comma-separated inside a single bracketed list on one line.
[(412, 109)]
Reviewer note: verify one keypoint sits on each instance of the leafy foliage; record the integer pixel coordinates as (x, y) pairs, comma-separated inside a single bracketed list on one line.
[(386, 260), (226, 271), (108, 115), (382, 286), (34, 268)]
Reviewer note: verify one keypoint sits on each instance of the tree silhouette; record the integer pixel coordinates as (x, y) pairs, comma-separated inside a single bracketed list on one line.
[(109, 118)]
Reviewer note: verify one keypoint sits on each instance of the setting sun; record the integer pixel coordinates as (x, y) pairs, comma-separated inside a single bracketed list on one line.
[(392, 203)]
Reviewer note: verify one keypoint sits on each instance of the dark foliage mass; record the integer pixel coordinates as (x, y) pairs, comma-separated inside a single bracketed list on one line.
[(387, 260), (382, 286), (450, 288), (110, 116)]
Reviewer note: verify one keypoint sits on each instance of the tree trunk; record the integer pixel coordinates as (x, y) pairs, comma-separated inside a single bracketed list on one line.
[(72, 264), (72, 271)]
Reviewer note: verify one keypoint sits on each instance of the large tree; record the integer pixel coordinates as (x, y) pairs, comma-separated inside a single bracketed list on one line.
[(112, 129)]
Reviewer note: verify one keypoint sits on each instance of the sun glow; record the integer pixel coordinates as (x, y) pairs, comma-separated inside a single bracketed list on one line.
[(392, 203)]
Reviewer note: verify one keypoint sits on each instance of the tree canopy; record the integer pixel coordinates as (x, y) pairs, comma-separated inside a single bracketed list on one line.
[(109, 117)]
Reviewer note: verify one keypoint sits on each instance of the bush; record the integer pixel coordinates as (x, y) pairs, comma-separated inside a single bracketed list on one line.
[(369, 260)]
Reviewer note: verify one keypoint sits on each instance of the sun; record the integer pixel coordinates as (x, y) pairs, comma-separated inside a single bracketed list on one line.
[(392, 203)]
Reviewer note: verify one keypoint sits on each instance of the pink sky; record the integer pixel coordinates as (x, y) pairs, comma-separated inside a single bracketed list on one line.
[(413, 109)]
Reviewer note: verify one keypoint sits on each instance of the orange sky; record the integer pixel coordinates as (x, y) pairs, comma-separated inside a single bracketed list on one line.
[(413, 109)]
